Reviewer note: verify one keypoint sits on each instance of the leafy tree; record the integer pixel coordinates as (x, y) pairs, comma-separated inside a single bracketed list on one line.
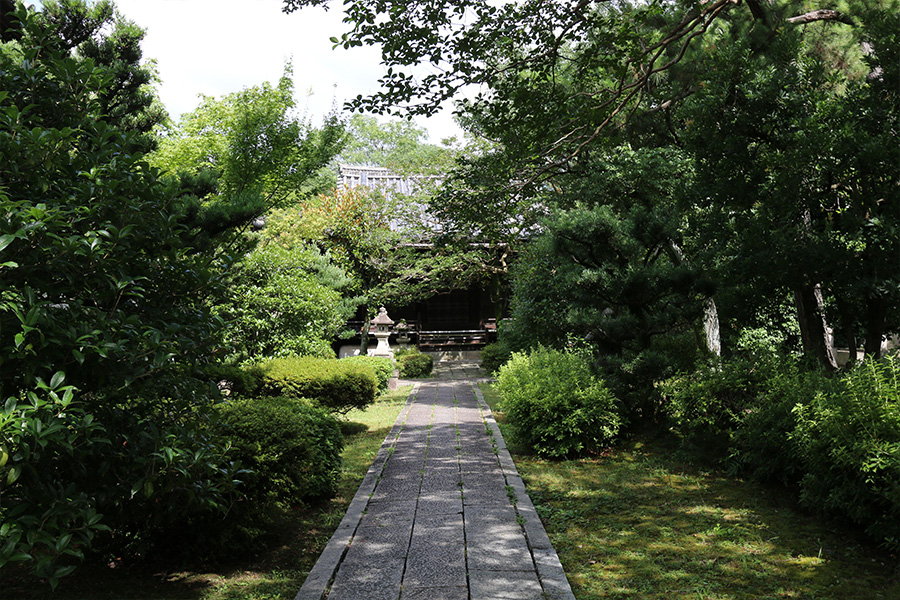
[(96, 31), (389, 263), (245, 154), (398, 145), (515, 51), (278, 306), (103, 328), (563, 81), (787, 198)]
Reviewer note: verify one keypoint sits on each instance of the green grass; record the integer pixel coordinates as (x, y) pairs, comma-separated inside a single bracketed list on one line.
[(636, 522), (275, 572)]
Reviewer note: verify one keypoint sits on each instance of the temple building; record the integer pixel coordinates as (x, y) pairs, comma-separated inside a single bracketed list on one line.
[(457, 319)]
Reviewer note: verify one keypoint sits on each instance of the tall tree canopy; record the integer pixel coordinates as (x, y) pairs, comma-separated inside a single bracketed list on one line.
[(526, 55), (563, 84), (247, 153), (96, 31)]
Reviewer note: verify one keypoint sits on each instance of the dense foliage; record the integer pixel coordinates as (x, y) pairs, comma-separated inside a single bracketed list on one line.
[(686, 174), (383, 367), (277, 305), (336, 385), (494, 356), (293, 452), (412, 364), (848, 440), (835, 440), (100, 291), (555, 404), (109, 269)]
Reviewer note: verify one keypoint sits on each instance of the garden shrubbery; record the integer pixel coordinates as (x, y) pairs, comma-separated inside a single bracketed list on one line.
[(847, 438), (383, 367), (336, 385), (231, 379), (412, 364), (292, 451), (557, 407), (494, 356), (836, 440)]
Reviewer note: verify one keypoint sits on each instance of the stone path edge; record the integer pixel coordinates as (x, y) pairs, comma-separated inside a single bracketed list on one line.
[(320, 576), (549, 568)]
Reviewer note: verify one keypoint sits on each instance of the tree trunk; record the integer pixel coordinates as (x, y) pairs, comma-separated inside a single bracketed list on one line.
[(710, 314), (847, 321), (711, 327), (813, 326), (876, 308)]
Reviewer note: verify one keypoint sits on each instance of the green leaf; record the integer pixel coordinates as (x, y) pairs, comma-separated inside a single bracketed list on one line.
[(63, 541), (6, 240), (13, 475), (57, 380)]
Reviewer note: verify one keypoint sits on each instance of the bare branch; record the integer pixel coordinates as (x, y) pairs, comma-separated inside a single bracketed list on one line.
[(821, 15)]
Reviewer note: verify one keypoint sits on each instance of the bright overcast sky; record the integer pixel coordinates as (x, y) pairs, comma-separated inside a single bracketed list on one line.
[(215, 47)]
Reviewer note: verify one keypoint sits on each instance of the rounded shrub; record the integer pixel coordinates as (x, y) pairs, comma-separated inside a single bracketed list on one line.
[(292, 452), (556, 406), (705, 407), (382, 366), (415, 364), (494, 356)]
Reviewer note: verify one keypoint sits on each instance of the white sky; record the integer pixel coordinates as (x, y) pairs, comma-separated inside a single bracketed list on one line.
[(215, 47)]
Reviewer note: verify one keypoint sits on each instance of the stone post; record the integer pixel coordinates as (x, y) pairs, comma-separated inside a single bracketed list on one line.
[(382, 324)]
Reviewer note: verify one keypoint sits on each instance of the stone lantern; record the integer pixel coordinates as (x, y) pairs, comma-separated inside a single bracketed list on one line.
[(382, 324)]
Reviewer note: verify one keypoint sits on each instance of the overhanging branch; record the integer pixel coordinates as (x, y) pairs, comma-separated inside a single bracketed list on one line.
[(821, 15)]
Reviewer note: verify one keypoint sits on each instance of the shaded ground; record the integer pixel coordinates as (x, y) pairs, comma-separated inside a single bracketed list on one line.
[(642, 521)]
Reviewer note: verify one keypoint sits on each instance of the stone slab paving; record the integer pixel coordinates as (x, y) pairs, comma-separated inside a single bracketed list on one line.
[(442, 512)]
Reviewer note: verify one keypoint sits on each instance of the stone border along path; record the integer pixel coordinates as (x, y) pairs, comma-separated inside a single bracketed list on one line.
[(442, 514)]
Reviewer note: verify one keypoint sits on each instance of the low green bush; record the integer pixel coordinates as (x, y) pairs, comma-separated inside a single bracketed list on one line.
[(848, 437), (836, 440), (383, 367), (239, 381), (762, 445), (706, 406), (494, 356), (556, 406), (415, 364), (292, 452), (336, 385), (740, 413)]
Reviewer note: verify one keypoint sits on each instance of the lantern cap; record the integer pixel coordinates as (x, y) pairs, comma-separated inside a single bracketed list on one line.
[(382, 318)]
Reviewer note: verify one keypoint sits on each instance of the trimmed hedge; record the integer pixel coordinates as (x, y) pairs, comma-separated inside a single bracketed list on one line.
[(412, 364), (556, 406), (292, 452), (383, 367), (336, 385)]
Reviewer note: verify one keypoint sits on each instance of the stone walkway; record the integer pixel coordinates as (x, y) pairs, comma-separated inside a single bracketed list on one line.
[(442, 513)]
